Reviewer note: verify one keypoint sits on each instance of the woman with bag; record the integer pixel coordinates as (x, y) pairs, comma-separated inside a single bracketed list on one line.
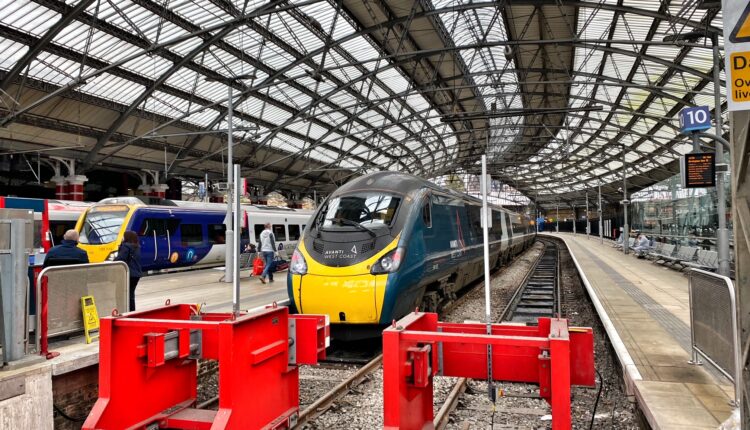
[(130, 253)]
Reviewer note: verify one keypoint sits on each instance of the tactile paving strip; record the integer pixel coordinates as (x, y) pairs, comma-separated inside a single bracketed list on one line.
[(669, 321), (671, 324)]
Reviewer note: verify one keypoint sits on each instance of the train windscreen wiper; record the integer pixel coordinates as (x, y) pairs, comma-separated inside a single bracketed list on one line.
[(353, 224)]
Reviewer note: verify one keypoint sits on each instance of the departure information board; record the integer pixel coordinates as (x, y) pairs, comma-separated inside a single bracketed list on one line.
[(698, 170)]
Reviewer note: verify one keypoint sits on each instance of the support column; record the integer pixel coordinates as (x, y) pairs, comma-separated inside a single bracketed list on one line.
[(159, 190), (61, 190), (575, 220), (740, 140), (145, 189), (75, 187)]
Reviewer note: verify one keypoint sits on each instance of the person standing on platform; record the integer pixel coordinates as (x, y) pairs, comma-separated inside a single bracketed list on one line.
[(268, 251), (67, 252), (130, 253)]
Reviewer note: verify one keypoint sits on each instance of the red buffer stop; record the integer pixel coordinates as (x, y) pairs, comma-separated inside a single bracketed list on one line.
[(148, 368), (418, 347)]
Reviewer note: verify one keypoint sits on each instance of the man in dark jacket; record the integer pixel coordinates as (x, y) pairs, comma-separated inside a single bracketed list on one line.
[(67, 252)]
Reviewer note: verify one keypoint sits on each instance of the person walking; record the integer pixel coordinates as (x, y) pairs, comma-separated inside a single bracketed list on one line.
[(67, 252), (130, 253), (268, 251)]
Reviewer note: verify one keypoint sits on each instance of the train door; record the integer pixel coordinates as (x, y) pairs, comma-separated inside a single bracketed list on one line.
[(156, 233), (506, 232), (426, 249)]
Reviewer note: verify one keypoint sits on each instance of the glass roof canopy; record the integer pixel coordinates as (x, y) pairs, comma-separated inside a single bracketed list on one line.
[(555, 92)]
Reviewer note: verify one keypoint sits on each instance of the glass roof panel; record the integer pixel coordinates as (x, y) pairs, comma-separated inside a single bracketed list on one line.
[(638, 82)]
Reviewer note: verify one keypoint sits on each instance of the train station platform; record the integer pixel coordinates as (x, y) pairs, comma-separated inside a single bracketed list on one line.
[(190, 287), (203, 286), (69, 381), (645, 310)]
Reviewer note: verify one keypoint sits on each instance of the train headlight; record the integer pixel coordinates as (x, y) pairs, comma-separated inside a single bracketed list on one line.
[(388, 263), (298, 265), (112, 255)]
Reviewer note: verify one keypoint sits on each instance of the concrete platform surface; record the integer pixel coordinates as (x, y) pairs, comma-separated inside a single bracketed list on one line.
[(648, 307), (199, 286), (203, 286)]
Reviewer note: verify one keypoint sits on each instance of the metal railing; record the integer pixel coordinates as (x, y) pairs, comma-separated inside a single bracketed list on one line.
[(714, 325), (59, 290)]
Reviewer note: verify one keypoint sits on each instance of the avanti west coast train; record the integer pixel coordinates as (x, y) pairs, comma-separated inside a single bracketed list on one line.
[(387, 242), (175, 234)]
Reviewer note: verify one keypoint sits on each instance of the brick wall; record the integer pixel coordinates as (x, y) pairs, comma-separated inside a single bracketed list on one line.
[(74, 394)]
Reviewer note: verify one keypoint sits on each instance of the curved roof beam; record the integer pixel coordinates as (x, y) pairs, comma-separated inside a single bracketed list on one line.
[(35, 49), (165, 13)]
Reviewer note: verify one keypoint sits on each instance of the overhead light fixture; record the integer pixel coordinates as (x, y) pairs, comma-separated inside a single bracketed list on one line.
[(197, 133), (235, 78), (706, 4), (688, 36), (515, 112)]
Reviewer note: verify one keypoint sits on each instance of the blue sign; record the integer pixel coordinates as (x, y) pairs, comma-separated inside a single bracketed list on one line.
[(695, 119)]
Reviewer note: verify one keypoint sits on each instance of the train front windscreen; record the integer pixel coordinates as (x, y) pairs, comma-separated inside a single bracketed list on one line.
[(365, 210), (102, 225)]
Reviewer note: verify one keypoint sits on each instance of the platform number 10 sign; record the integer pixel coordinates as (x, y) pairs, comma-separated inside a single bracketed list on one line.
[(695, 119)]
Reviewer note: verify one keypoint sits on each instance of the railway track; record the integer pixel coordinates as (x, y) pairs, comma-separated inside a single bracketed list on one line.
[(537, 296), (323, 403)]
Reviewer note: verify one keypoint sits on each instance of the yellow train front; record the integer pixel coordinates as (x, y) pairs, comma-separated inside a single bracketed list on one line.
[(386, 243)]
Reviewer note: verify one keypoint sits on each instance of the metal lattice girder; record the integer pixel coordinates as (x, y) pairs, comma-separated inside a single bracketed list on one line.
[(145, 44), (418, 85)]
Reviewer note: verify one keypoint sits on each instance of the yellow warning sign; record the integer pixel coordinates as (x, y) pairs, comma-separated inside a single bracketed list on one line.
[(741, 31), (736, 28), (90, 318), (740, 75)]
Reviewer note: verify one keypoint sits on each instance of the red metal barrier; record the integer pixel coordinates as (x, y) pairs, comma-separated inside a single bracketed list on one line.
[(419, 347), (148, 363)]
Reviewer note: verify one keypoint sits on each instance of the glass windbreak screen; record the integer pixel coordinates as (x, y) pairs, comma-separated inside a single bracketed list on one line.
[(102, 225), (361, 209)]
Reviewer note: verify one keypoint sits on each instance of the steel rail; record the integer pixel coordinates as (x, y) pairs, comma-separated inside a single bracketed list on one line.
[(320, 406), (509, 306), (451, 402)]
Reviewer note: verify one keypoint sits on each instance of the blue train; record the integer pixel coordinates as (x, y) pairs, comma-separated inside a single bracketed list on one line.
[(175, 234), (386, 243)]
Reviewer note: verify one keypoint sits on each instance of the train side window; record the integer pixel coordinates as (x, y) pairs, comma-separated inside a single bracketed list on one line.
[(37, 234), (192, 234), (427, 213), (59, 228), (279, 232), (475, 220), (258, 230), (151, 226), (160, 226), (293, 232), (497, 227), (172, 225), (217, 234)]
